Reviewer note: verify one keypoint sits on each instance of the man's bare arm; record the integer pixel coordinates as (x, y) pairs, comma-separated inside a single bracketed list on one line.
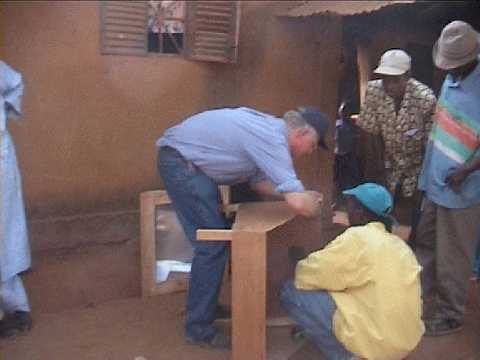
[(266, 190)]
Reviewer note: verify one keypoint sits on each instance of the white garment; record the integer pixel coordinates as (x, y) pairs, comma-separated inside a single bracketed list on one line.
[(13, 296), (14, 247)]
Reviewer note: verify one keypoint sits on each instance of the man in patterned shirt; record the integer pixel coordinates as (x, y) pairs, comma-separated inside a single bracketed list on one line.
[(399, 109)]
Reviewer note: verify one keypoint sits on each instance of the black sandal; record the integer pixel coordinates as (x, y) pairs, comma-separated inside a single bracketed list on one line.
[(16, 323), (442, 327)]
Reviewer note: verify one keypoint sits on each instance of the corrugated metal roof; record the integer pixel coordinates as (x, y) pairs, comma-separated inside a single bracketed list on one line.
[(308, 8)]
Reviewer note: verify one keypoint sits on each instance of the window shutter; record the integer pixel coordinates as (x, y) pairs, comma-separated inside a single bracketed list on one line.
[(123, 27), (212, 29)]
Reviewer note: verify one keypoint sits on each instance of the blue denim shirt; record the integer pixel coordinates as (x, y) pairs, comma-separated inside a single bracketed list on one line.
[(233, 145)]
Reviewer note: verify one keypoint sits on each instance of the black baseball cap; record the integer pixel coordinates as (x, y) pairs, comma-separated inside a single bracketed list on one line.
[(318, 120)]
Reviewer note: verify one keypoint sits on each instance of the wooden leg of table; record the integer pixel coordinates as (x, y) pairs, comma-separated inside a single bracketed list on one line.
[(249, 280)]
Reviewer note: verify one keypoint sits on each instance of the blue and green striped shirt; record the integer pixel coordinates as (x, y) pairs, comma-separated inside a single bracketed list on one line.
[(454, 140)]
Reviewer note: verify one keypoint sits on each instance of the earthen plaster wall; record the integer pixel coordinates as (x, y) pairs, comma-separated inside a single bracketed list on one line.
[(86, 142)]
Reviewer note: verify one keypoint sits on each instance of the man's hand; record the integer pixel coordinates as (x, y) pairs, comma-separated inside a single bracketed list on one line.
[(457, 177), (306, 203), (340, 218), (315, 194)]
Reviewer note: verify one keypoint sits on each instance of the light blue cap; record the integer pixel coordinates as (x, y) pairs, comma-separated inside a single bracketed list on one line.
[(374, 197)]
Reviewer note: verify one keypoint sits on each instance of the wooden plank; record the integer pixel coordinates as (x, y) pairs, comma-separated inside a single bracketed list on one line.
[(235, 31), (205, 44), (121, 43), (363, 69), (212, 40), (127, 4), (125, 23), (126, 10), (262, 216), (285, 243), (123, 51), (211, 52), (214, 18), (230, 208), (215, 14), (214, 4), (213, 34), (123, 36), (149, 200), (158, 197), (170, 286), (280, 321), (136, 4), (219, 9), (126, 16), (211, 46), (215, 29), (133, 19), (222, 3), (212, 21), (214, 58), (125, 30), (126, 7), (120, 35), (147, 243), (224, 12), (214, 234), (249, 278), (209, 21), (225, 194)]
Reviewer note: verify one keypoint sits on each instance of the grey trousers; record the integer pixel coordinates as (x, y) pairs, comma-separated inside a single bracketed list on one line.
[(446, 240)]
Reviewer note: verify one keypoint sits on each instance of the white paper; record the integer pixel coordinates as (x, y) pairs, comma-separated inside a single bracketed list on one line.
[(164, 267)]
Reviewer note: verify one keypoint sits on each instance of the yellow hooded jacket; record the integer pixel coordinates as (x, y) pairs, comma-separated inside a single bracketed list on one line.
[(373, 278)]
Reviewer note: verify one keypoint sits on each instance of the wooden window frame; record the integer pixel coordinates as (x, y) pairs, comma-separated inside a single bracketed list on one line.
[(211, 30)]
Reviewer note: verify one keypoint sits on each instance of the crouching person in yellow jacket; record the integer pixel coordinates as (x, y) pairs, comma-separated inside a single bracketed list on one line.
[(360, 296)]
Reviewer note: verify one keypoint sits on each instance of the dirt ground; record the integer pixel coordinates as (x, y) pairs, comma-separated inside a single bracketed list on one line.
[(87, 306)]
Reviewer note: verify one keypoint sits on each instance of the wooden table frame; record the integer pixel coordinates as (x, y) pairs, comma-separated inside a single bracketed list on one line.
[(250, 238), (249, 272), (149, 200)]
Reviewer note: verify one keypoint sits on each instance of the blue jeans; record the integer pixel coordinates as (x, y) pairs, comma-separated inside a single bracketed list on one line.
[(196, 200), (313, 311)]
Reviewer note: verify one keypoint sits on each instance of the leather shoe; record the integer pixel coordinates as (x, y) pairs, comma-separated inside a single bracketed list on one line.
[(15, 323), (219, 341)]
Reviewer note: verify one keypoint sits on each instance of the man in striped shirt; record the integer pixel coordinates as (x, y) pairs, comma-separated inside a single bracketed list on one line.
[(446, 234)]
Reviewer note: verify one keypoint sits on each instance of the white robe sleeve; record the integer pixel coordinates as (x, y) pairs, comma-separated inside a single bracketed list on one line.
[(11, 92)]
